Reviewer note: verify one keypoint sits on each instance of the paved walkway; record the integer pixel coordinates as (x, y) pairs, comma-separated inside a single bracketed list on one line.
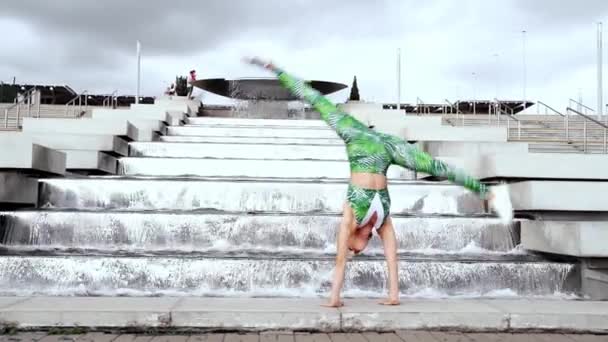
[(399, 336), (250, 314)]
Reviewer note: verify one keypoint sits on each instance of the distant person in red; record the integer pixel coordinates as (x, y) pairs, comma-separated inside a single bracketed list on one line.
[(171, 90), (191, 79)]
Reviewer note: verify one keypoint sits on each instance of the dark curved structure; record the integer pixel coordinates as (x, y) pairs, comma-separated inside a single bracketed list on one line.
[(268, 89)]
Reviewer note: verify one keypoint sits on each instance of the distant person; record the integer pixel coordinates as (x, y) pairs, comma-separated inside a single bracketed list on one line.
[(367, 205), (191, 80), (172, 89)]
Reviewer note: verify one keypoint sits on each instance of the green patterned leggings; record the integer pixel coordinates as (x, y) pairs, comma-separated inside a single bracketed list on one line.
[(367, 202)]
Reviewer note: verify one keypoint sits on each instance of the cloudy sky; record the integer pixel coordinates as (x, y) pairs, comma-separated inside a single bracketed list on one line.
[(91, 44)]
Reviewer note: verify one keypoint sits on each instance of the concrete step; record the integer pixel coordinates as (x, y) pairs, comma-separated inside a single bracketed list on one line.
[(243, 151), (207, 121), (141, 315), (248, 195), (574, 196), (576, 238), (540, 166), (128, 114), (454, 148), (243, 168), (252, 140), (79, 126), (274, 277), (70, 141), (90, 161), (446, 133), (304, 132), (19, 152), (239, 232)]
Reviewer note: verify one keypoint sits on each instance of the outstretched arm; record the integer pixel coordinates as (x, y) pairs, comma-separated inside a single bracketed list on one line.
[(410, 157), (344, 124)]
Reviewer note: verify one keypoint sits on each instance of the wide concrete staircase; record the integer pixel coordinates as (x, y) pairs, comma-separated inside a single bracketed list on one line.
[(543, 133), (246, 207)]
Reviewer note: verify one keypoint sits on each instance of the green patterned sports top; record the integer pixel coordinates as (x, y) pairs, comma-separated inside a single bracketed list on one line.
[(370, 151)]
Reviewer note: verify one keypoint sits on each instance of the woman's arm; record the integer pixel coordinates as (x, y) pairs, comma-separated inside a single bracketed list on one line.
[(343, 123)]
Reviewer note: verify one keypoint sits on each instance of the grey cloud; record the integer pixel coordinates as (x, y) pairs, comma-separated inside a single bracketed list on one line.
[(92, 43), (561, 14), (187, 27)]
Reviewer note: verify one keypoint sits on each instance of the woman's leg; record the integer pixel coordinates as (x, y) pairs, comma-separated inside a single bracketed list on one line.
[(347, 226), (387, 234)]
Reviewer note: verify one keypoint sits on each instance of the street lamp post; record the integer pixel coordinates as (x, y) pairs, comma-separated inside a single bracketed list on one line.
[(474, 92), (524, 68)]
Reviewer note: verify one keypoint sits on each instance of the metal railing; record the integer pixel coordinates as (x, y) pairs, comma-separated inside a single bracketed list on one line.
[(452, 107), (26, 99), (421, 107), (587, 109), (110, 100), (586, 119), (547, 108), (504, 110), (74, 107)]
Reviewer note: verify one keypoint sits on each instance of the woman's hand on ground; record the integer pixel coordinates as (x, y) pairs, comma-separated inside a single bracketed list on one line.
[(333, 303), (390, 301)]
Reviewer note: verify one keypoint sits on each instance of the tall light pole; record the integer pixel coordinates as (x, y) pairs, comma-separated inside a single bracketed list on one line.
[(138, 72), (600, 100), (474, 92), (523, 41), (398, 79), (496, 74)]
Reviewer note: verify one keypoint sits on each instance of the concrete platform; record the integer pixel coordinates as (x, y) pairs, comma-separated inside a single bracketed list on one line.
[(120, 146), (446, 133), (578, 238), (179, 335), (573, 196), (21, 153), (18, 189), (252, 140), (144, 130), (218, 150), (75, 126), (244, 168), (132, 114), (540, 166), (251, 132), (303, 314), (86, 160), (389, 121), (211, 121), (164, 106), (69, 141), (251, 195), (464, 148), (174, 118)]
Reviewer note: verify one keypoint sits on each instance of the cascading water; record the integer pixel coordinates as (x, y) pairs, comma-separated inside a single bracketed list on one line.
[(257, 216)]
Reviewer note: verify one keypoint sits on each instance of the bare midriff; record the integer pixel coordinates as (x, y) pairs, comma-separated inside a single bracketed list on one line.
[(368, 180)]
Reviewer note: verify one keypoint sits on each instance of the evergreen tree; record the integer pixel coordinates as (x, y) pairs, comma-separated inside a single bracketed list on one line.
[(354, 91)]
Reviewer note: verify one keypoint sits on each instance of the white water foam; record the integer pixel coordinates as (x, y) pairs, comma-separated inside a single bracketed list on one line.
[(306, 292), (502, 203)]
